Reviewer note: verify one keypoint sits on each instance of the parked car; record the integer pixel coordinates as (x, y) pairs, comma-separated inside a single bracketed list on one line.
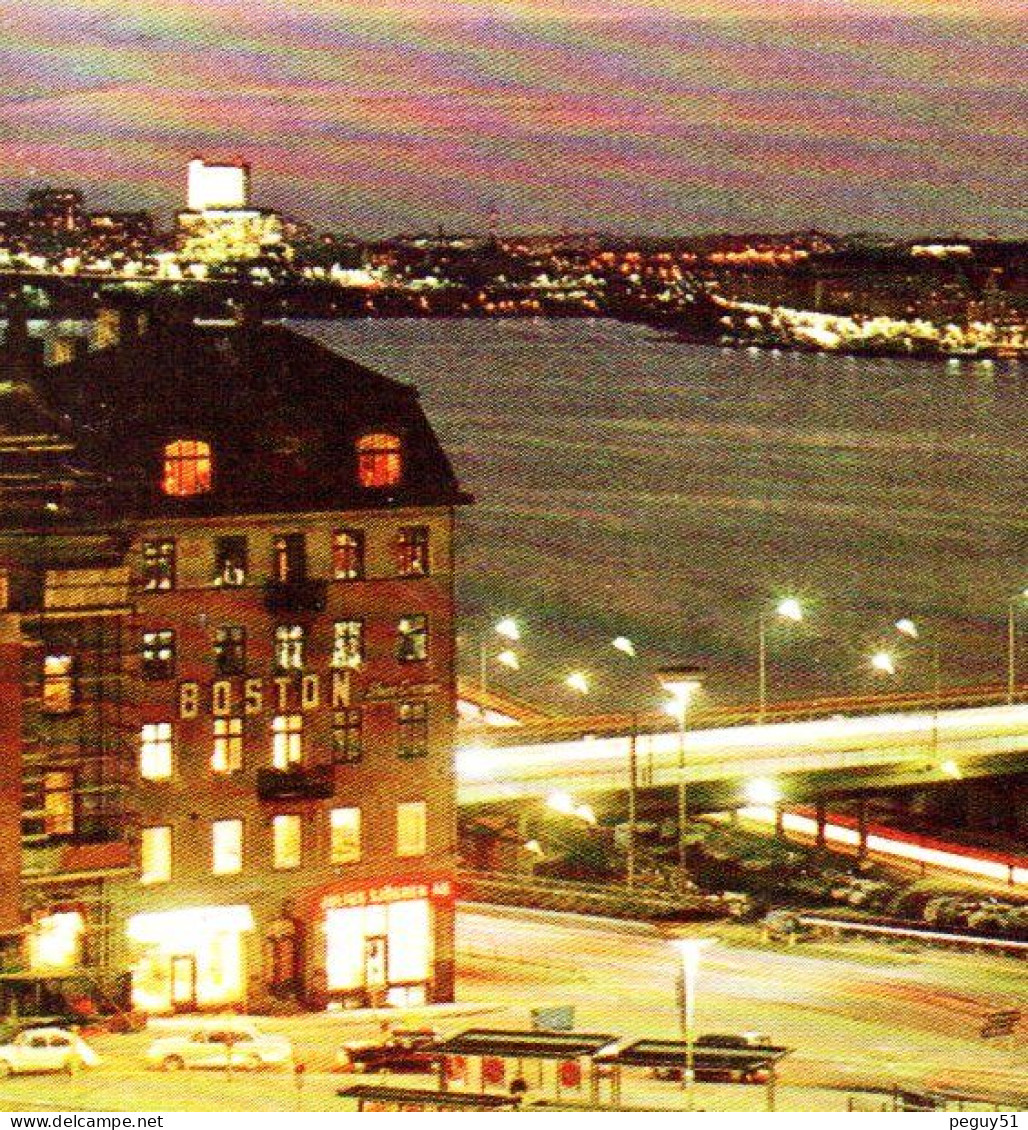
[(709, 1071), (402, 1050), (225, 1045), (45, 1049)]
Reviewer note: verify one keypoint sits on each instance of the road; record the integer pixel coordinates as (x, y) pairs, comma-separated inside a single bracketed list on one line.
[(858, 1015)]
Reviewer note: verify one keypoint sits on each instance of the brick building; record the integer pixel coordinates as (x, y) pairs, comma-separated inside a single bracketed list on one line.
[(226, 671)]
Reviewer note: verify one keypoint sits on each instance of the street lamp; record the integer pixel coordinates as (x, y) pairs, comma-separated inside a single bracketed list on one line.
[(1012, 604), (790, 610), (507, 629), (689, 950), (624, 645), (681, 683), (578, 681), (883, 662)]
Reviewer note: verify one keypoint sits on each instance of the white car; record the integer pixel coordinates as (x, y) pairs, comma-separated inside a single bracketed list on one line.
[(224, 1045), (46, 1049)]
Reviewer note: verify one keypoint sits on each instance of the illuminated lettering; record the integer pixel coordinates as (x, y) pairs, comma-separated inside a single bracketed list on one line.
[(340, 689), (253, 696), (221, 698), (188, 700), (310, 692), (282, 682)]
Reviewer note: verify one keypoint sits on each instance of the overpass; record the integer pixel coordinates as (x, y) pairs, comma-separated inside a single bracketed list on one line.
[(837, 752)]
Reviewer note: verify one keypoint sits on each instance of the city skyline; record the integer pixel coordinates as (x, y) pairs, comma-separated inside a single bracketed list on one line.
[(640, 117)]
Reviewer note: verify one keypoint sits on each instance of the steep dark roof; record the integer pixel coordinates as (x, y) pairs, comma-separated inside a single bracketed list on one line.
[(282, 414)]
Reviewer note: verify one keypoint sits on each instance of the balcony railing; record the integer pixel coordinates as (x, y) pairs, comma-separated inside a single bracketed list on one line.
[(314, 782), (295, 596)]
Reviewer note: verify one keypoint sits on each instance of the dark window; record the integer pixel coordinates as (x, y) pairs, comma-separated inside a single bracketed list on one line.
[(413, 727), (230, 650), (412, 639), (348, 555), (412, 551), (59, 802), (159, 565), (159, 654), (187, 468), (290, 558), (348, 643), (58, 684), (379, 460), (289, 647), (347, 735), (230, 562)]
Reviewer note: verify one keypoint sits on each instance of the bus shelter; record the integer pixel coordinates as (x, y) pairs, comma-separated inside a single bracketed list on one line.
[(667, 1058), (522, 1063), (379, 1097)]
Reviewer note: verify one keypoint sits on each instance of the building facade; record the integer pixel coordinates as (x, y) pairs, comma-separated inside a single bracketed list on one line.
[(227, 663)]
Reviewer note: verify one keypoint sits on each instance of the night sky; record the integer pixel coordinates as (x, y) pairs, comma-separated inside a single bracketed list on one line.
[(637, 115)]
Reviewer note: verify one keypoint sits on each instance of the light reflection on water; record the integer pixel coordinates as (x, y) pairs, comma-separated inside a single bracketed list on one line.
[(629, 484)]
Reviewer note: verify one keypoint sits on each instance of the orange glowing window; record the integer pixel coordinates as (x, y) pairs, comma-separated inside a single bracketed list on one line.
[(187, 468), (379, 460)]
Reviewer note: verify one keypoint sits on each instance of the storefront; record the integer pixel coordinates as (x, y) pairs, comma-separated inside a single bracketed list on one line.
[(189, 959), (55, 941), (383, 942)]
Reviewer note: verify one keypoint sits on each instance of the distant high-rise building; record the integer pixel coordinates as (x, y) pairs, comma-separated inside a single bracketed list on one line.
[(217, 186), (59, 209)]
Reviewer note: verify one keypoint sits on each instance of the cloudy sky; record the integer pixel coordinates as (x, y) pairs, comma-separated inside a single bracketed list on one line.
[(635, 115)]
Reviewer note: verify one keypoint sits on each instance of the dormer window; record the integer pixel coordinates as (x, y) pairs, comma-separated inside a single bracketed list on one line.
[(379, 460), (187, 468)]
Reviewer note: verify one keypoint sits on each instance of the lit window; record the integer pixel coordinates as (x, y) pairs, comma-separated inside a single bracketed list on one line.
[(230, 650), (228, 745), (345, 825), (412, 551), (187, 468), (289, 641), (158, 565), (348, 555), (413, 726), (55, 942), (58, 684), (230, 562), (286, 832), (155, 855), (411, 828), (286, 740), (159, 654), (155, 751), (379, 460), (348, 643), (290, 558), (347, 735), (412, 639), (226, 847), (59, 803)]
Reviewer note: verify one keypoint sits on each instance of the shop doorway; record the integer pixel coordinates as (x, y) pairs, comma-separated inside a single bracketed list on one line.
[(376, 964), (183, 982)]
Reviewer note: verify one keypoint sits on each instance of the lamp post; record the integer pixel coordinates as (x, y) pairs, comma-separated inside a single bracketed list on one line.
[(681, 683), (689, 950), (788, 609), (507, 629), (1012, 604)]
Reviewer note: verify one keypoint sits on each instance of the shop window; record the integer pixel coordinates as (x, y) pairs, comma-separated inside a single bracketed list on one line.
[(227, 756), (289, 647), (412, 639), (158, 654), (230, 562), (155, 855), (286, 740), (155, 757), (348, 643), (413, 728), (345, 826), (348, 555), (347, 735), (58, 684), (411, 828), (226, 847), (286, 833), (159, 565), (379, 460), (290, 558), (230, 650), (55, 941), (412, 551), (187, 468), (59, 802), (410, 941)]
